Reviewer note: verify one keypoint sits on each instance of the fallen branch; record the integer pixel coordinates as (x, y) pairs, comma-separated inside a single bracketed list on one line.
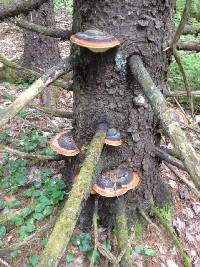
[(122, 233), (189, 46), (184, 258), (47, 31), (28, 73), (159, 105), (6, 149), (190, 184), (175, 52), (12, 8), (95, 233), (107, 254), (69, 215), (146, 217), (51, 111), (180, 93), (191, 29), (168, 158), (37, 87), (4, 263)]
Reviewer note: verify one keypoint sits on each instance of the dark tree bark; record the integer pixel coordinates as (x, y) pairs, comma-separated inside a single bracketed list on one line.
[(41, 51), (104, 88)]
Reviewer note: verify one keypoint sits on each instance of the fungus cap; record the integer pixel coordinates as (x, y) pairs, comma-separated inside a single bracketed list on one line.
[(95, 40), (115, 183), (64, 144), (113, 137), (179, 117)]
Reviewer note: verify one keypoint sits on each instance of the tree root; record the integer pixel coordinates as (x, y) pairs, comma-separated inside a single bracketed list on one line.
[(146, 217), (95, 233), (69, 215), (184, 258)]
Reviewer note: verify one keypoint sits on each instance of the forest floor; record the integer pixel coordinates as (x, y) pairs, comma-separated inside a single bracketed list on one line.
[(34, 125)]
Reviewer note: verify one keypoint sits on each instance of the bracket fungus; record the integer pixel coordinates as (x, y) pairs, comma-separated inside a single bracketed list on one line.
[(115, 183), (95, 40), (64, 144), (113, 137), (179, 117)]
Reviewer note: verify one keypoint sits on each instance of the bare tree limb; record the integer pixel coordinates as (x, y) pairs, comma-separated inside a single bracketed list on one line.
[(180, 93), (47, 31), (69, 215), (37, 87), (178, 138), (12, 8), (189, 46)]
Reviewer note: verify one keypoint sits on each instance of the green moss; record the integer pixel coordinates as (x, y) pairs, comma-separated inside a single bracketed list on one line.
[(139, 227)]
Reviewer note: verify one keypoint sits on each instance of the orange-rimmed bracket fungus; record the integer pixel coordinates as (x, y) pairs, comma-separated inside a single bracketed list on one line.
[(113, 137), (64, 144), (179, 117), (95, 40), (115, 182)]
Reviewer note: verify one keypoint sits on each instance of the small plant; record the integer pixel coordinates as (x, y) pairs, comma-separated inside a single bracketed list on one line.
[(69, 256), (146, 251)]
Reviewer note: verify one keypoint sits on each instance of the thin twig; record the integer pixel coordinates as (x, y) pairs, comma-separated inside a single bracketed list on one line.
[(95, 232), (146, 217), (190, 184), (107, 254)]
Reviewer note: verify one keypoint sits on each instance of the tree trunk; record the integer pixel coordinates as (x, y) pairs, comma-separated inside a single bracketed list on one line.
[(104, 89), (41, 51)]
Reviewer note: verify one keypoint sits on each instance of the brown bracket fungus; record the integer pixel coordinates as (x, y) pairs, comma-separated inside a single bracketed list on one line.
[(179, 117), (115, 183), (95, 40), (113, 137), (64, 144)]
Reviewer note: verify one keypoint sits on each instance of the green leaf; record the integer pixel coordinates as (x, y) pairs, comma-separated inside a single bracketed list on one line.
[(69, 256), (29, 192), (2, 203), (14, 204), (47, 211), (26, 211), (33, 259), (22, 232), (37, 184), (13, 254), (18, 220), (107, 245), (2, 230), (38, 216), (40, 207), (5, 183), (43, 242), (75, 239), (90, 253), (137, 249), (149, 252)]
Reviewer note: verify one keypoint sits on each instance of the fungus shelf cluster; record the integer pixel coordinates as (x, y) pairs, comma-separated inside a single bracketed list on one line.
[(95, 40), (112, 183)]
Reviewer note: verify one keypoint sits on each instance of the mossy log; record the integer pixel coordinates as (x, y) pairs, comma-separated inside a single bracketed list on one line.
[(11, 72), (66, 222), (47, 31), (189, 46), (158, 103), (184, 258), (12, 8), (122, 232), (37, 87)]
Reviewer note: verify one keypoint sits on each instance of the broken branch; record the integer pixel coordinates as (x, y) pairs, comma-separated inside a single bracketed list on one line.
[(69, 215), (159, 105), (12, 8), (37, 87), (47, 31)]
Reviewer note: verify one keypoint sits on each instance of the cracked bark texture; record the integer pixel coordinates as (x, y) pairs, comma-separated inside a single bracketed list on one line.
[(104, 89), (42, 52)]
